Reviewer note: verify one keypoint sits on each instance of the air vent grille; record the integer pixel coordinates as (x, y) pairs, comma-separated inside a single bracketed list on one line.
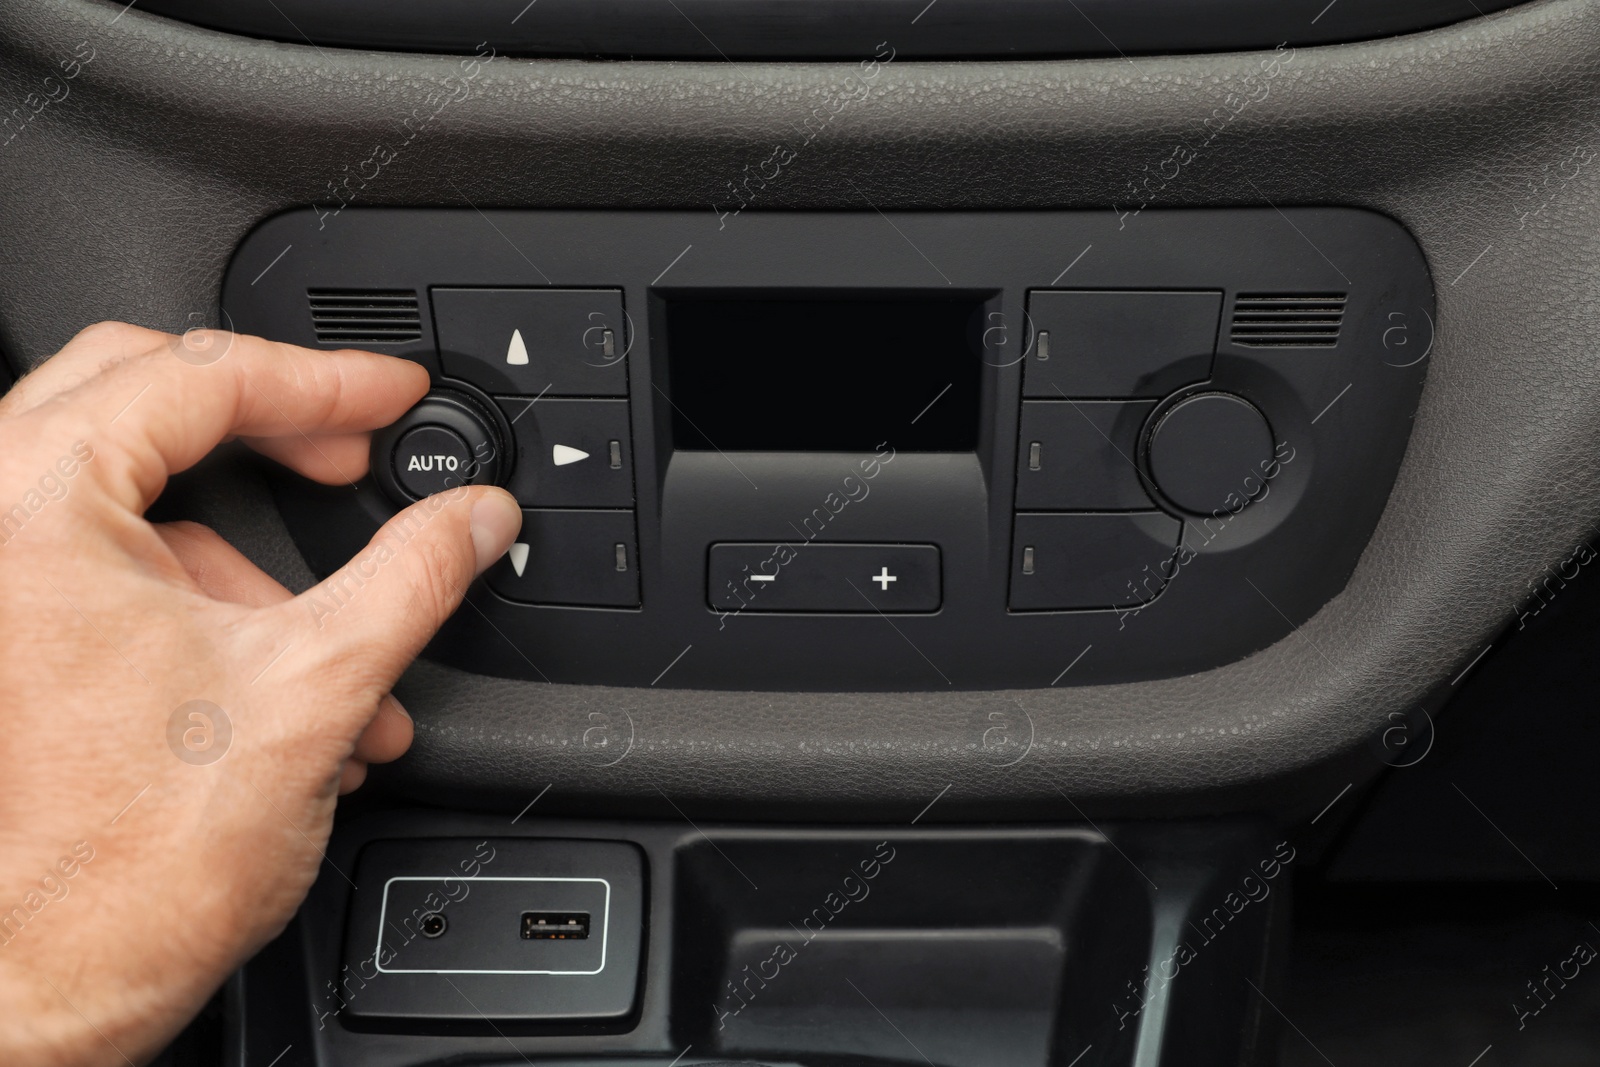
[(365, 316), (1287, 320)]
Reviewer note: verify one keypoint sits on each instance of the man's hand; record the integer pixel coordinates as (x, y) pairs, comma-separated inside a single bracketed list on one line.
[(176, 725)]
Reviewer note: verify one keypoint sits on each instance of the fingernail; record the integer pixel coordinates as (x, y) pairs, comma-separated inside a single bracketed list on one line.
[(495, 521)]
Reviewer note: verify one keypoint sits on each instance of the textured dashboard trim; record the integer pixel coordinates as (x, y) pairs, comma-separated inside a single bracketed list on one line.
[(126, 198)]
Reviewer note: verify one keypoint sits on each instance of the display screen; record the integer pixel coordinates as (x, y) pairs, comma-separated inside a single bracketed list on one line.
[(824, 373)]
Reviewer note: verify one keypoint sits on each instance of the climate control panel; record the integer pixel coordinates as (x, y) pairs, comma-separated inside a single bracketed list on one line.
[(860, 451)]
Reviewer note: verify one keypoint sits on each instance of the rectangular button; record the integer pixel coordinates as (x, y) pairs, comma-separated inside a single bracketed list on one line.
[(551, 342), (1080, 455), (833, 578), (570, 453), (1119, 344), (1070, 562), (587, 558)]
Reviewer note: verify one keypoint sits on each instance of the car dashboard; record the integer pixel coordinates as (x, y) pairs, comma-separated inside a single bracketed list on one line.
[(1044, 528)]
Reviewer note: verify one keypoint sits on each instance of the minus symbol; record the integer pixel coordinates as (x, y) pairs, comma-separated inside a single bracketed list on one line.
[(763, 577)]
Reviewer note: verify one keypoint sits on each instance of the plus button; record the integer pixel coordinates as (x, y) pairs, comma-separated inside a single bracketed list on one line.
[(883, 578)]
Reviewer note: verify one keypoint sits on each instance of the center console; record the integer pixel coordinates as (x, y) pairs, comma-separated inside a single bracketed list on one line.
[(870, 451), (471, 938)]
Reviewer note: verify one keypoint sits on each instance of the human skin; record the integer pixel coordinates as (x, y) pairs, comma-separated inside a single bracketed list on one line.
[(198, 851)]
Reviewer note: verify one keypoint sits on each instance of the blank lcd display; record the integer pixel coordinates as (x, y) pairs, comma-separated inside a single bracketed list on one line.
[(765, 372)]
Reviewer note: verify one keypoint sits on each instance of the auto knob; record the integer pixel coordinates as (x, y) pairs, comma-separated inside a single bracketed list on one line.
[(1207, 453), (453, 436)]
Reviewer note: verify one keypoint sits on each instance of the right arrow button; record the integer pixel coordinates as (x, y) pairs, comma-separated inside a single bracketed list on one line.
[(570, 453)]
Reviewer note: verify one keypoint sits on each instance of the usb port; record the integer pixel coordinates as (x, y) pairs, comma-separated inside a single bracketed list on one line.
[(555, 925)]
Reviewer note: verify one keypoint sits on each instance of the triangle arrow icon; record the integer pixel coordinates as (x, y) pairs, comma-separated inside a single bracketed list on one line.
[(564, 454), (516, 351), (518, 554)]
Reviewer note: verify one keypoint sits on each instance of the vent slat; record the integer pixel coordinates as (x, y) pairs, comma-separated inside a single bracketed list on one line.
[(1242, 315), (384, 327), (371, 316), (1291, 324), (1285, 336), (337, 309), (336, 317), (1287, 324), (1287, 312), (346, 312), (1288, 320), (367, 338), (350, 304), (1278, 298)]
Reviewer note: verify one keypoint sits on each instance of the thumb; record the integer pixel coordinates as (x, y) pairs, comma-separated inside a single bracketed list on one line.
[(382, 607)]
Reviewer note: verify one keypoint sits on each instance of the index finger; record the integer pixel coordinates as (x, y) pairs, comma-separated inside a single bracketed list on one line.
[(154, 414)]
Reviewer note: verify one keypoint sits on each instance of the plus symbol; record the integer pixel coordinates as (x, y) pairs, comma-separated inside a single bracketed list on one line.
[(883, 578)]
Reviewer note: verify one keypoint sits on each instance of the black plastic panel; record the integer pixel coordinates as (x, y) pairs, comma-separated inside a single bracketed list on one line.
[(822, 29), (436, 930), (1227, 584), (782, 944)]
